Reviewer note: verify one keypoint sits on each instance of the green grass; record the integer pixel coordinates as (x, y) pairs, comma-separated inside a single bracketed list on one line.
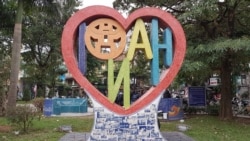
[(210, 128), (202, 128), (46, 129)]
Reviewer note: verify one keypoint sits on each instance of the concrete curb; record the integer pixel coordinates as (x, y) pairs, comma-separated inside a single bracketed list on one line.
[(169, 136)]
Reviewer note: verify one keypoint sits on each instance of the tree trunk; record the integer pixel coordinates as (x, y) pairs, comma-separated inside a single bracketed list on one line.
[(225, 112), (15, 58)]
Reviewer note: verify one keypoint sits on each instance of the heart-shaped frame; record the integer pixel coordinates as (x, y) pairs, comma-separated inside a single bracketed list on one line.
[(92, 13)]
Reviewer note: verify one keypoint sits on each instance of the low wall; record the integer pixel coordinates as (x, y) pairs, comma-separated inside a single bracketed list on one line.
[(57, 106)]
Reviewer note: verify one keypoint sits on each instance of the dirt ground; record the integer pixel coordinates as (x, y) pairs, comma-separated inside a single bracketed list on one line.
[(245, 120), (5, 128)]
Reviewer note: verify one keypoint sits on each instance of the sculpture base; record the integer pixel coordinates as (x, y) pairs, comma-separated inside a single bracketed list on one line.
[(142, 125), (169, 136)]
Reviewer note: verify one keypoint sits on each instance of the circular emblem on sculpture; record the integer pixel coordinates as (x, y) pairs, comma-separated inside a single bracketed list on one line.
[(105, 38)]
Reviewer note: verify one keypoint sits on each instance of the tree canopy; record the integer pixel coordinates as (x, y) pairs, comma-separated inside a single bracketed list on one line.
[(42, 35), (27, 13), (217, 36)]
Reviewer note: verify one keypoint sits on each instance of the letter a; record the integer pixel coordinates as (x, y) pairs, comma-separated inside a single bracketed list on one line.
[(139, 40)]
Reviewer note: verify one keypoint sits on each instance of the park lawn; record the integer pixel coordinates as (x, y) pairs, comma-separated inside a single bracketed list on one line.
[(210, 128), (202, 128), (46, 129)]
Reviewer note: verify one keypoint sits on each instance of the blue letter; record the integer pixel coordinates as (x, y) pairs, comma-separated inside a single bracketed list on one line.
[(156, 47), (82, 55)]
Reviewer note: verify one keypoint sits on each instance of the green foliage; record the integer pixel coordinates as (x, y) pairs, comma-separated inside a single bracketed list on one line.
[(42, 26), (2, 101), (7, 14), (6, 28), (40, 92), (43, 59), (193, 73), (214, 51), (94, 66), (22, 117), (51, 93), (63, 90), (42, 62), (218, 39), (26, 94), (209, 41), (128, 6), (140, 68)]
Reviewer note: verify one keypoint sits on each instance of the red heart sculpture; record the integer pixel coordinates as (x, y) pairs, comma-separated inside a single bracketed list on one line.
[(92, 13)]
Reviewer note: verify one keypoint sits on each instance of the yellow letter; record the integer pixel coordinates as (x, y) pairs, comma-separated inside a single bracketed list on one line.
[(113, 88), (139, 40)]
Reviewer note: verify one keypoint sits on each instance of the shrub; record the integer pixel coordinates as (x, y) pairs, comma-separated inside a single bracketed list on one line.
[(21, 118), (38, 103), (213, 109)]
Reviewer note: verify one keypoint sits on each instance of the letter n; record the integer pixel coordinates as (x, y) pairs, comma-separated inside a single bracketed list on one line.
[(113, 88)]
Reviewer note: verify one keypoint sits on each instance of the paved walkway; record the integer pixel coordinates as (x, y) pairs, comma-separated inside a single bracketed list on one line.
[(76, 136), (169, 136)]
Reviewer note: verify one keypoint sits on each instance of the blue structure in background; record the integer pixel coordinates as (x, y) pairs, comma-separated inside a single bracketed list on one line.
[(197, 96), (66, 105), (172, 106), (48, 107)]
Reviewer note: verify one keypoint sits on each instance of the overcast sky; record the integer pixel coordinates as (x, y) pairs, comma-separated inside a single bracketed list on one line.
[(86, 3)]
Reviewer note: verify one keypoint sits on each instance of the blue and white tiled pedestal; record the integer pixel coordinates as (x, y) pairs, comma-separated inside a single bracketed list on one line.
[(140, 126)]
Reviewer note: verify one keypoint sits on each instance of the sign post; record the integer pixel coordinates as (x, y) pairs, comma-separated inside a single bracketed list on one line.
[(197, 96)]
